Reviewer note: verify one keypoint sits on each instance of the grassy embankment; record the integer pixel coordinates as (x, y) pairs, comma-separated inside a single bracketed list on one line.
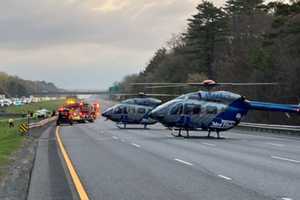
[(10, 139)]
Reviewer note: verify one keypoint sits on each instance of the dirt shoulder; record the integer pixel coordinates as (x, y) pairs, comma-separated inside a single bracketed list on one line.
[(15, 176)]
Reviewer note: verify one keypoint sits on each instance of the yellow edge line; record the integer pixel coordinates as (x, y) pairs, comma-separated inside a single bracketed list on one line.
[(75, 178)]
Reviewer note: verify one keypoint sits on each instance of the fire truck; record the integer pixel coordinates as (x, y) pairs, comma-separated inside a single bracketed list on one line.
[(81, 111)]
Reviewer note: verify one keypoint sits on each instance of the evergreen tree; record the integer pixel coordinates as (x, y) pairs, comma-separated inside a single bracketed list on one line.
[(244, 7), (205, 30), (158, 57)]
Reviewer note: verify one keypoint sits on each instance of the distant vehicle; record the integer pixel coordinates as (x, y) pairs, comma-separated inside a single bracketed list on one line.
[(77, 115), (7, 102), (44, 113), (1, 103), (88, 111), (134, 111), (97, 109), (210, 110), (18, 102), (64, 117), (81, 111)]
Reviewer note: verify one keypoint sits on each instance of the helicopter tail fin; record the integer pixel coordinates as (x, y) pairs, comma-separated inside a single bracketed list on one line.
[(288, 108)]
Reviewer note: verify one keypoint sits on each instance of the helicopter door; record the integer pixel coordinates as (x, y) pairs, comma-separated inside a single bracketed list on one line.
[(124, 114), (140, 113), (176, 114), (196, 116), (186, 118), (132, 114)]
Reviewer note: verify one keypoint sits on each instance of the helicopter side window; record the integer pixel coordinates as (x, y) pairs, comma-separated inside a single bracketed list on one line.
[(117, 110), (141, 111), (188, 109), (177, 110), (197, 110), (131, 110), (211, 110)]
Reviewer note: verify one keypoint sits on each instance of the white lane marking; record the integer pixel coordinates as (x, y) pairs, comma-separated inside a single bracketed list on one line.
[(136, 145), (285, 198), (285, 159), (209, 144), (275, 144), (184, 162), (225, 177), (115, 138)]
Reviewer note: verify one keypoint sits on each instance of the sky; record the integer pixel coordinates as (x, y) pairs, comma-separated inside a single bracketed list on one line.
[(86, 44)]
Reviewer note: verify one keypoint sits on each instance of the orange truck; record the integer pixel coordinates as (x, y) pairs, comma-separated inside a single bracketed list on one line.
[(82, 111)]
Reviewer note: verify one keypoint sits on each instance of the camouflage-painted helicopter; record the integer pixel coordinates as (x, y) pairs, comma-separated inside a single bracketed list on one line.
[(209, 110), (134, 110)]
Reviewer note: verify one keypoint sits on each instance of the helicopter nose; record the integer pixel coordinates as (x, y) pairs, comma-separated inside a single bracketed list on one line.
[(156, 114), (106, 114)]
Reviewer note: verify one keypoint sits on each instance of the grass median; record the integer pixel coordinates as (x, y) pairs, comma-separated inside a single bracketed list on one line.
[(10, 138), (10, 141), (49, 105)]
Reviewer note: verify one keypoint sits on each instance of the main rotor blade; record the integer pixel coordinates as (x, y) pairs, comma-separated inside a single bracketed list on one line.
[(167, 86), (247, 84), (173, 85), (154, 84), (154, 95)]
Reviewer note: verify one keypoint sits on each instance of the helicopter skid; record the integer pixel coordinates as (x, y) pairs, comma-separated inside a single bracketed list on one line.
[(134, 128), (197, 130)]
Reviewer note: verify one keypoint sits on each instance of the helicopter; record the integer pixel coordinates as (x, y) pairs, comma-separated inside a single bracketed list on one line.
[(212, 111), (134, 110)]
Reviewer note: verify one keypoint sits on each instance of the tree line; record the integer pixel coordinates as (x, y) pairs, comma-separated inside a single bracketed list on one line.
[(243, 41), (13, 86)]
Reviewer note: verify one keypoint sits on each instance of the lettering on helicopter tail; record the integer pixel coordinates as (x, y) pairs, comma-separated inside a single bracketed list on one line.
[(223, 124)]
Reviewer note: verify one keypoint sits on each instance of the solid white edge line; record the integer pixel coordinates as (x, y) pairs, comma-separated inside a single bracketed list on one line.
[(225, 177), (136, 145), (285, 198), (285, 159), (184, 162)]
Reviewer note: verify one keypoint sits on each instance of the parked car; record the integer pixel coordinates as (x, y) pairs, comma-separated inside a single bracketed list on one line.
[(43, 113)]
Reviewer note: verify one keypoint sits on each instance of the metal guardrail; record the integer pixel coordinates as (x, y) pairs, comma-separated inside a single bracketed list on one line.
[(293, 130), (42, 122)]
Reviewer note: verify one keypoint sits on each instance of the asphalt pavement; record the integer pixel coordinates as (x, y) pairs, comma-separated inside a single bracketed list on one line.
[(49, 180), (136, 164), (151, 164)]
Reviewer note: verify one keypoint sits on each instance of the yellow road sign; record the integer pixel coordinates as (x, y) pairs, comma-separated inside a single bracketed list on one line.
[(24, 128)]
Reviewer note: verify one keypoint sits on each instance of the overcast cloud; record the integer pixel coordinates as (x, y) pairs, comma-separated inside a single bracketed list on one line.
[(86, 43)]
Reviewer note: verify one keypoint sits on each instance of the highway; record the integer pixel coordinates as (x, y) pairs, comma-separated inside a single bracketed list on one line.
[(135, 164)]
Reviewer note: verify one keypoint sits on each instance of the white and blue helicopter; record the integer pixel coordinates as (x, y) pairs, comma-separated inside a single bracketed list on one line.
[(134, 111), (209, 110)]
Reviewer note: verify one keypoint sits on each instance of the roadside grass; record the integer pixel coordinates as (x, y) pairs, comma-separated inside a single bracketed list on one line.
[(49, 105), (10, 141), (10, 138)]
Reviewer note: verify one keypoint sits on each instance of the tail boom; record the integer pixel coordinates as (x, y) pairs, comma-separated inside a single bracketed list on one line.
[(289, 108)]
